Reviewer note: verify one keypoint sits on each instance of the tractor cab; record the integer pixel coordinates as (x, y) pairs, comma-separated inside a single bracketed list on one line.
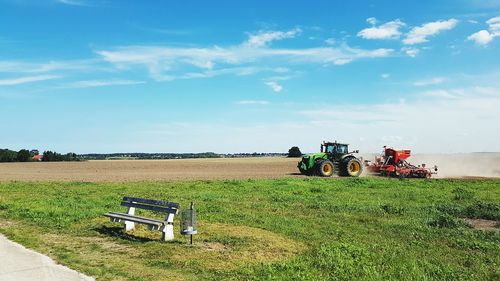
[(335, 148)]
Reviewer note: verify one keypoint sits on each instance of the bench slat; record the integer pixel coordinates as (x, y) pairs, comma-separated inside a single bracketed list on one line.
[(135, 219), (150, 207), (134, 216), (151, 202)]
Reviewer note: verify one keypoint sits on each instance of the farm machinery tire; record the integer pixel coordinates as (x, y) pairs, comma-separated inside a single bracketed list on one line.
[(324, 168), (303, 172), (351, 167)]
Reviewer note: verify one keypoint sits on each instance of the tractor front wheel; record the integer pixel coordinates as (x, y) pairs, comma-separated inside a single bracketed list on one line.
[(325, 168), (302, 171)]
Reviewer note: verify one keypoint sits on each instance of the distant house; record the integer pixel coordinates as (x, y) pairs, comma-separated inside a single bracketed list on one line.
[(37, 157)]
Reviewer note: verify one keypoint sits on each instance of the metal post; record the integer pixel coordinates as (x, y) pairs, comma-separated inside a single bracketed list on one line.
[(191, 207)]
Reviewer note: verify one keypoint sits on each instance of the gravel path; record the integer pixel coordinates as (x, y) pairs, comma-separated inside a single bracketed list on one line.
[(19, 264)]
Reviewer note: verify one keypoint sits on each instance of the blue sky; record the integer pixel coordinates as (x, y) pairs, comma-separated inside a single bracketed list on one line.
[(244, 76)]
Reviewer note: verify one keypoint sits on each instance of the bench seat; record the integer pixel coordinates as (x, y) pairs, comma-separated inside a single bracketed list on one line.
[(119, 217)]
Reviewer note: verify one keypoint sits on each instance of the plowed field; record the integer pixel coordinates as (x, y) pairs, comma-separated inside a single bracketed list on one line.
[(472, 165), (141, 170)]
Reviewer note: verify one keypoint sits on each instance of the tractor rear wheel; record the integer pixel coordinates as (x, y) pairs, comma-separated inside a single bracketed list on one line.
[(325, 168), (353, 167)]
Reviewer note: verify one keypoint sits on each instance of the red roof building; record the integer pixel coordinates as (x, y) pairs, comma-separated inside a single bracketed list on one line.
[(37, 157)]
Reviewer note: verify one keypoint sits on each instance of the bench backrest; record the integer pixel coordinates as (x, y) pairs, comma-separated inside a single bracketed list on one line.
[(150, 204)]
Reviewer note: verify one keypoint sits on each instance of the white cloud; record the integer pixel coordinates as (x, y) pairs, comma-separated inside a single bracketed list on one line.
[(388, 30), (44, 67), (275, 86), (73, 2), (238, 71), (385, 75), (484, 37), (371, 20), (281, 70), (494, 25), (256, 102), (263, 38), (26, 79), (280, 78), (444, 94), (165, 63), (412, 52), (428, 82), (342, 61), (330, 41), (421, 33), (101, 83)]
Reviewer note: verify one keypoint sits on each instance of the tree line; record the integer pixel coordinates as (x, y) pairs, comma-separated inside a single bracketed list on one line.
[(25, 155), (113, 156), (50, 156), (141, 155)]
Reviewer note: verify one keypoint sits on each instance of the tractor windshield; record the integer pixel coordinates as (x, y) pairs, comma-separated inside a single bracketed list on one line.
[(342, 149), (338, 149)]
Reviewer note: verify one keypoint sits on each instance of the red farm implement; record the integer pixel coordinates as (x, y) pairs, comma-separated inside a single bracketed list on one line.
[(393, 163)]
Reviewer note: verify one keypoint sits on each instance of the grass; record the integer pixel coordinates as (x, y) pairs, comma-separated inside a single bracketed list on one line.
[(284, 229)]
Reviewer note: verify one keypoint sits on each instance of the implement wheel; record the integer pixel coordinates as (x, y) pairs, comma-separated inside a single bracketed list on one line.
[(325, 168), (353, 167)]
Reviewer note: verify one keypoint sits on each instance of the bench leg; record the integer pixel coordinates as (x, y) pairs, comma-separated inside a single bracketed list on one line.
[(168, 233), (129, 225), (168, 230)]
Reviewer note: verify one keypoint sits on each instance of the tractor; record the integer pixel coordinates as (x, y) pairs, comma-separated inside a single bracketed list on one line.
[(333, 158)]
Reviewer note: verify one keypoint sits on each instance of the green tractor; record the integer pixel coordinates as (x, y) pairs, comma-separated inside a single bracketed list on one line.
[(333, 158)]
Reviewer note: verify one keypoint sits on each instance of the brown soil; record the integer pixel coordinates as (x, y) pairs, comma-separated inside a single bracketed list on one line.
[(214, 246), (141, 170), (483, 224), (450, 166)]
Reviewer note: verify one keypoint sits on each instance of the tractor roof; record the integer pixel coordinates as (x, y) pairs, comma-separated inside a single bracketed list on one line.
[(335, 142)]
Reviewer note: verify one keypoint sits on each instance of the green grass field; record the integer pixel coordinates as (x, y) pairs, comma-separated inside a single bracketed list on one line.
[(285, 229)]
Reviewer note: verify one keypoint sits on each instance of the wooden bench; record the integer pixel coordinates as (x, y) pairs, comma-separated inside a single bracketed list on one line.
[(165, 226)]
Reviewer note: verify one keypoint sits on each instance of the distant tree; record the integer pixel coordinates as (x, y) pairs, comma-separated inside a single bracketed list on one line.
[(294, 152), (48, 156), (34, 152), (70, 157), (23, 155), (7, 155), (51, 156)]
